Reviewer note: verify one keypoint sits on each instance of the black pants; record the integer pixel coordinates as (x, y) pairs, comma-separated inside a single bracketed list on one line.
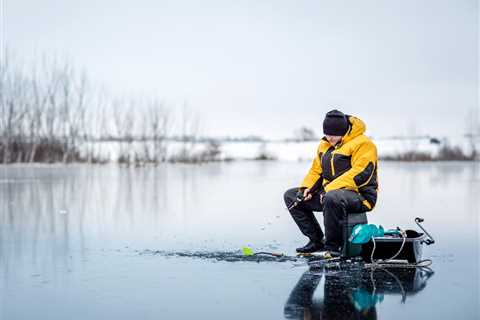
[(336, 205)]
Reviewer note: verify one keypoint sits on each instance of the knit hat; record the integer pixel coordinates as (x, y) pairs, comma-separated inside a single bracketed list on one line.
[(335, 123)]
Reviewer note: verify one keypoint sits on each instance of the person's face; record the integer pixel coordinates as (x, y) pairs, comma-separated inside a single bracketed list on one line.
[(333, 140)]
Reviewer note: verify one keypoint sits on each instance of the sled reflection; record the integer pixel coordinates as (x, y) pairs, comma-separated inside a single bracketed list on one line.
[(351, 294)]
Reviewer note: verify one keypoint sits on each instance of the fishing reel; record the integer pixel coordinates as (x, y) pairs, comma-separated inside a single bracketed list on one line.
[(298, 199), (300, 196)]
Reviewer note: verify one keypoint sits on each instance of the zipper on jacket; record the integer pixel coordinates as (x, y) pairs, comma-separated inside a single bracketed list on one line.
[(332, 167)]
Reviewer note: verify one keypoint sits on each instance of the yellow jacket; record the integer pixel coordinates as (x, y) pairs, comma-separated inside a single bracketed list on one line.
[(351, 164)]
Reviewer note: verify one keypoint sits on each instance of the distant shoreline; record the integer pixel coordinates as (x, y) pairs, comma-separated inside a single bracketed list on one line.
[(146, 152), (150, 151)]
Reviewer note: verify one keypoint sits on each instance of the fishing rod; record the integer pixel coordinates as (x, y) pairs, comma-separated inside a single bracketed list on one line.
[(317, 186)]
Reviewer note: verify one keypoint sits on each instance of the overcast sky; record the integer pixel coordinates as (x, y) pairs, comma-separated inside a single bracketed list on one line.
[(268, 67)]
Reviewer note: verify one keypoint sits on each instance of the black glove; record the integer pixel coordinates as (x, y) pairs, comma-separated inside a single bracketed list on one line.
[(300, 196)]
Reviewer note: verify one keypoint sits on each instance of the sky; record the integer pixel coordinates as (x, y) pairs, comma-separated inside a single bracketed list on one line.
[(268, 67)]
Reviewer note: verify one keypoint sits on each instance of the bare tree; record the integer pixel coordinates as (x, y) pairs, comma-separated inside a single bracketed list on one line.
[(71, 110), (159, 125), (36, 111), (52, 119), (76, 117), (124, 122), (51, 114), (190, 128), (473, 131), (97, 127), (12, 106)]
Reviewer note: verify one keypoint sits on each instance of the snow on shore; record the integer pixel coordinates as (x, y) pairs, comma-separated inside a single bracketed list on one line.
[(298, 151)]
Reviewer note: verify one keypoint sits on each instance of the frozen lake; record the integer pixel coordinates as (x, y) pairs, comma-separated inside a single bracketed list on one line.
[(79, 242)]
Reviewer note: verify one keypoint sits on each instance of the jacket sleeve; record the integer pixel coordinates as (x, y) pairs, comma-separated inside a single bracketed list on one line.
[(314, 173), (364, 160)]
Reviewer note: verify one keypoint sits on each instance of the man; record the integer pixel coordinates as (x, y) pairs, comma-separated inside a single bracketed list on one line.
[(341, 180)]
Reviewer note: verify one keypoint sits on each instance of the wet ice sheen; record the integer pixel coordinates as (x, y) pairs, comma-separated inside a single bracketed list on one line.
[(79, 242)]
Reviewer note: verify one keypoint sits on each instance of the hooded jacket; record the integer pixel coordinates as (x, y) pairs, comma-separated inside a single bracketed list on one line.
[(350, 165)]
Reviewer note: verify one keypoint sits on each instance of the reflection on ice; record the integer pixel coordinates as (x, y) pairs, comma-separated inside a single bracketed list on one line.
[(352, 293)]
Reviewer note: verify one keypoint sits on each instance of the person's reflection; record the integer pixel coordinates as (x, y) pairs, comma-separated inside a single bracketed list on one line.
[(351, 294)]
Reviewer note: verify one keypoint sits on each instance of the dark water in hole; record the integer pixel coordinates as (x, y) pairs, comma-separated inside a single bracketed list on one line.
[(81, 242)]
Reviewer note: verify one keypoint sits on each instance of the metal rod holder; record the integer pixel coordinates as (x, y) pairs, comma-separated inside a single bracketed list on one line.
[(430, 239)]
